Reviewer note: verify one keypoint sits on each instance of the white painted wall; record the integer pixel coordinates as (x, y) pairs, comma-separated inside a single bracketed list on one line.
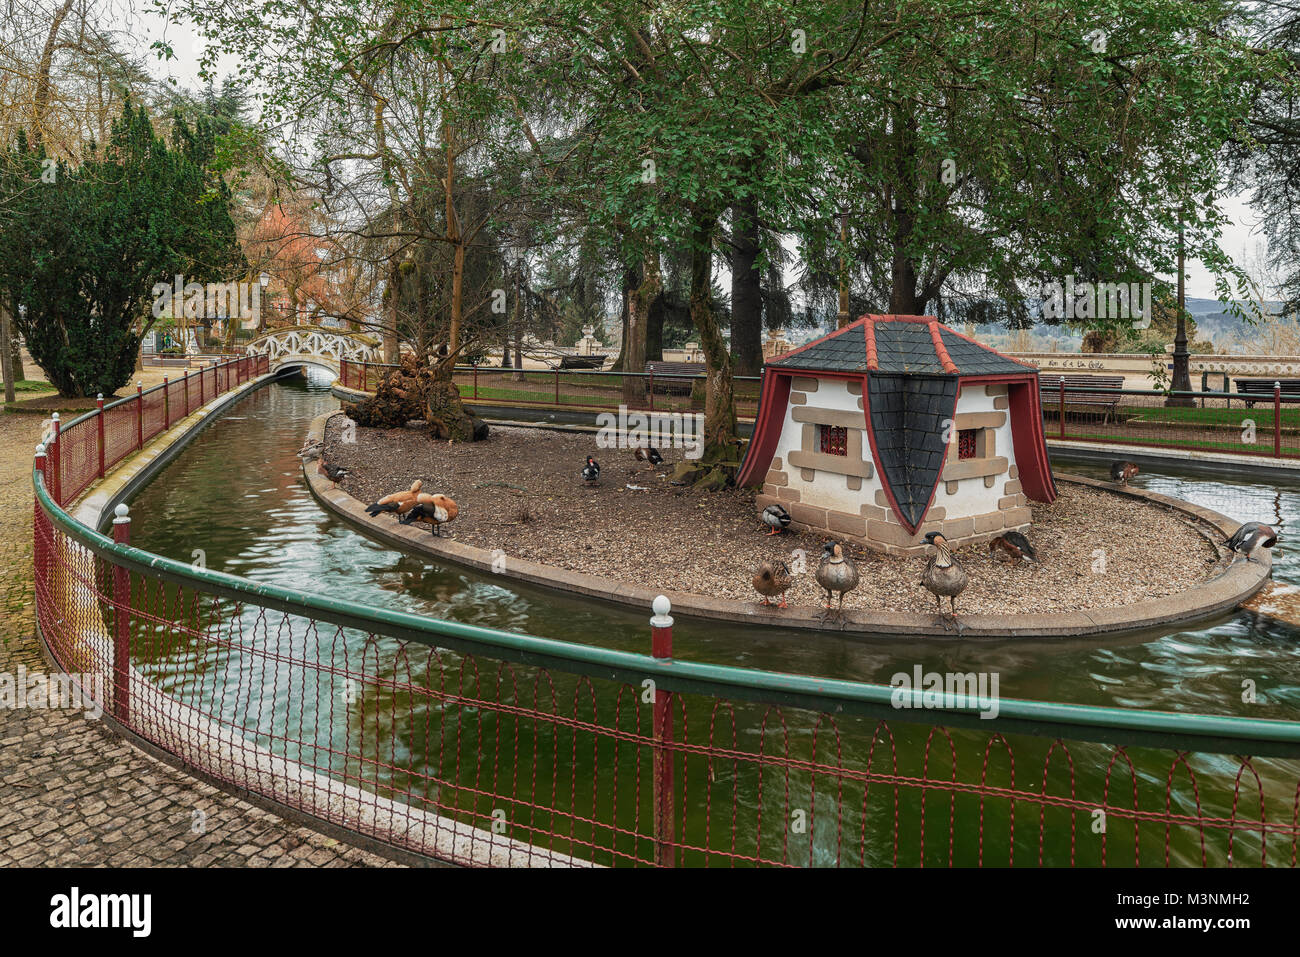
[(830, 490)]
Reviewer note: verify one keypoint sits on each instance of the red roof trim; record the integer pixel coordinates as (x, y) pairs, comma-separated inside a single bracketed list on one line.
[(940, 350), (873, 361)]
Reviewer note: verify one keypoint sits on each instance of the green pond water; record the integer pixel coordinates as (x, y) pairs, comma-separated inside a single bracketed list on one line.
[(236, 500)]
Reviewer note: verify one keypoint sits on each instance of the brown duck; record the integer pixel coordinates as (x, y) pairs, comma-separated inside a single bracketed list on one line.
[(944, 576), (836, 573), (772, 579)]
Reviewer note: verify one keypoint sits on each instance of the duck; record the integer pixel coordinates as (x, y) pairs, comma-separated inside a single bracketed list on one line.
[(399, 502), (773, 578), (310, 450), (944, 576), (777, 518), (648, 454), (335, 473), (836, 573), (1249, 537), (591, 471), (1012, 547), (435, 509), (1121, 472)]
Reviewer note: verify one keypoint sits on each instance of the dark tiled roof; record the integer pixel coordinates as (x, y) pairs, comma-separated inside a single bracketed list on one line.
[(846, 351), (972, 358), (903, 345), (907, 415)]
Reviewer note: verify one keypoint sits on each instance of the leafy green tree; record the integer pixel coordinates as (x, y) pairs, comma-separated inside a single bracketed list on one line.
[(83, 247)]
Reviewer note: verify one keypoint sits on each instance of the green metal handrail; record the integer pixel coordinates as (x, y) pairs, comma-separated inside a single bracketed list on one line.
[(1199, 732)]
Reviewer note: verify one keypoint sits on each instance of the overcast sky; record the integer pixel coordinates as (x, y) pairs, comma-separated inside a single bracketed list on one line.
[(147, 27)]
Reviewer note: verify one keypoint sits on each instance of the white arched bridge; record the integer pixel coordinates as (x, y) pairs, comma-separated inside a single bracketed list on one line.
[(314, 345)]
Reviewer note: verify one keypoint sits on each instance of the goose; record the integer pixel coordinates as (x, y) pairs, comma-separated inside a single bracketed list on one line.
[(773, 578), (777, 518), (399, 502), (836, 573), (1250, 536), (944, 576), (437, 510), (591, 471), (1012, 547), (1121, 472)]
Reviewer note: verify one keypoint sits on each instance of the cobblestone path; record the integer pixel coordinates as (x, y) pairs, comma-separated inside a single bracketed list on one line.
[(72, 792)]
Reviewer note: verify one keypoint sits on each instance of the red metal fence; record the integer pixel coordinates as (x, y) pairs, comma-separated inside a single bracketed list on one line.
[(95, 443), (486, 747)]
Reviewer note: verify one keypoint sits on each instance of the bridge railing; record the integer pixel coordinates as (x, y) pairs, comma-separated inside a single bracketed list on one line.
[(482, 746), (90, 446)]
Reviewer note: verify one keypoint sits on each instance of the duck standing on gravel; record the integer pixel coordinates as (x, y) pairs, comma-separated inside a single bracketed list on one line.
[(944, 576), (836, 573), (437, 510), (773, 578), (776, 518), (1249, 537), (648, 454), (399, 502), (1012, 548), (591, 471), (335, 473), (1121, 472)]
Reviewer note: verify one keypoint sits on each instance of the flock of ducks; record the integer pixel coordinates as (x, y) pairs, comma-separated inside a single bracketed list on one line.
[(944, 575), (836, 574)]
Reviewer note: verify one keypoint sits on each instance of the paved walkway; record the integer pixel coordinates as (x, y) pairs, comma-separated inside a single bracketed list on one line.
[(72, 792)]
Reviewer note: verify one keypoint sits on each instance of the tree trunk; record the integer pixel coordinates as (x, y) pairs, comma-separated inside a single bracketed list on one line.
[(6, 353), (746, 290), (16, 355), (654, 330), (719, 397), (638, 319)]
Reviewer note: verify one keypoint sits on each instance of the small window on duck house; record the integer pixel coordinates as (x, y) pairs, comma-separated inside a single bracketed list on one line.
[(967, 444), (834, 439)]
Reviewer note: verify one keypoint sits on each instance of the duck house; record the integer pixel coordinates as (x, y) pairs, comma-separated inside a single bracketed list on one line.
[(896, 426)]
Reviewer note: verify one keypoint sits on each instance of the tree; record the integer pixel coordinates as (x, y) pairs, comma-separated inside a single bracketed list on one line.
[(83, 248)]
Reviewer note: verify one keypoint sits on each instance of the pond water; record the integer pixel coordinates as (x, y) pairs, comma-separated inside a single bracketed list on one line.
[(236, 498)]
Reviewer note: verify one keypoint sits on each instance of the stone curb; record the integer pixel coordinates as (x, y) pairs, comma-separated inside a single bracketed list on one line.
[(1232, 585)]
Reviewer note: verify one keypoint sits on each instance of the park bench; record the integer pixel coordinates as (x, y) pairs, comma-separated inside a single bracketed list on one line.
[(582, 362), (1262, 389), (1075, 391), (674, 378)]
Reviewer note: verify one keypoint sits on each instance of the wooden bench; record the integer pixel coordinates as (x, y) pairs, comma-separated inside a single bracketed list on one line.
[(1262, 390), (675, 378), (1049, 387), (583, 362)]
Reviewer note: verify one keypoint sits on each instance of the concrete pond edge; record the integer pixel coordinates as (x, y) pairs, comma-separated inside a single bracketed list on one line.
[(1231, 585)]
